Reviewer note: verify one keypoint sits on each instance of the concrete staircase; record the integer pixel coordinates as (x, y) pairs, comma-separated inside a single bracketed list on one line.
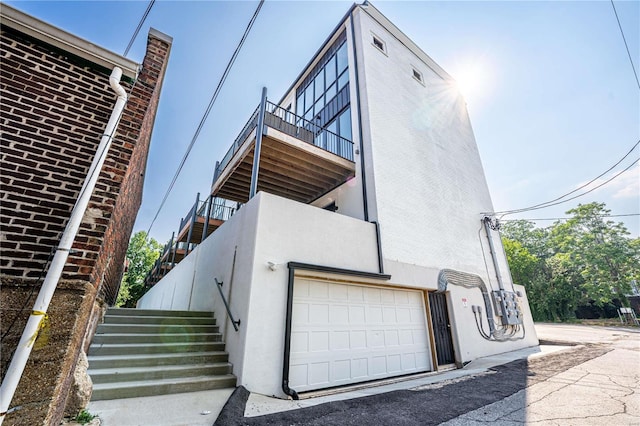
[(138, 352)]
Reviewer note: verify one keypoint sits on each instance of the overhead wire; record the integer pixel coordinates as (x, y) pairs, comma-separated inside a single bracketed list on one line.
[(625, 44), (139, 27), (567, 218), (556, 201), (579, 195), (207, 111)]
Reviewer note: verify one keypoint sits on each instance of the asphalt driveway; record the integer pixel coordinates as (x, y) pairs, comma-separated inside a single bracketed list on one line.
[(429, 405)]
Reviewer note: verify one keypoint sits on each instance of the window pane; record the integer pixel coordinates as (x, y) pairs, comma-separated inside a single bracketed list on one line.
[(343, 80), (319, 83), (318, 106), (344, 122), (330, 70), (331, 92), (309, 115), (342, 58), (300, 104), (333, 126), (308, 97)]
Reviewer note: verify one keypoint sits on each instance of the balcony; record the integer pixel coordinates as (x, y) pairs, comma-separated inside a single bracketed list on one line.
[(299, 160), (202, 220)]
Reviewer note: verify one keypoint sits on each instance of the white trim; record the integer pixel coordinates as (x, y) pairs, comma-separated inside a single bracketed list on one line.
[(375, 14), (63, 40)]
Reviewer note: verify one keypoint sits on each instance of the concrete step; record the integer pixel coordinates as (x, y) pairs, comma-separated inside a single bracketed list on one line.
[(131, 374), (156, 312), (154, 319), (99, 362), (153, 348), (156, 338), (154, 328), (104, 391)]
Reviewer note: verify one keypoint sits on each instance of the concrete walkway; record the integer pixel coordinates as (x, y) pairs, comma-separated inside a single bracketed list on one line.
[(184, 409), (604, 390)]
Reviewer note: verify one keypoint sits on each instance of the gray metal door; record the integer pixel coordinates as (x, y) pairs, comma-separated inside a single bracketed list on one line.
[(441, 328)]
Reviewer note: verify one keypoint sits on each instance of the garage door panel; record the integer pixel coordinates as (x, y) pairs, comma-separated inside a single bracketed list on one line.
[(355, 333), (369, 366), (299, 342)]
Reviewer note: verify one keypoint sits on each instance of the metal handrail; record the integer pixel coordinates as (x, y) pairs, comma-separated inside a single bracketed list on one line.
[(287, 122), (235, 323), (298, 127), (248, 128)]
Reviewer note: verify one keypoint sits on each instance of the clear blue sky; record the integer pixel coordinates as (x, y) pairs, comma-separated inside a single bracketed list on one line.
[(550, 90)]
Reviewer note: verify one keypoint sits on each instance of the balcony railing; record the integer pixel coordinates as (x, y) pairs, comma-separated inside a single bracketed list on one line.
[(287, 122), (219, 210)]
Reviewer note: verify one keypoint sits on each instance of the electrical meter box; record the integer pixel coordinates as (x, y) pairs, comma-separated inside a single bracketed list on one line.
[(507, 307)]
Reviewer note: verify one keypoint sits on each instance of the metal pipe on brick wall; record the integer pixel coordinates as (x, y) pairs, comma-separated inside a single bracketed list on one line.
[(39, 312)]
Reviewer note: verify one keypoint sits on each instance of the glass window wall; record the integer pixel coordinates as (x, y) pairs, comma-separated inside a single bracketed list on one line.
[(332, 77)]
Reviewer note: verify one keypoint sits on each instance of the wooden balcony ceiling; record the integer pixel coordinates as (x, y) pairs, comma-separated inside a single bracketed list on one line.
[(198, 227), (289, 167)]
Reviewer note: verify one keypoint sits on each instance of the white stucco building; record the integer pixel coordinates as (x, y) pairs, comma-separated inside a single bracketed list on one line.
[(361, 250)]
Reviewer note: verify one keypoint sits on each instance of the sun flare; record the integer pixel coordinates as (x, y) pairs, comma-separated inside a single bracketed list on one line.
[(472, 80)]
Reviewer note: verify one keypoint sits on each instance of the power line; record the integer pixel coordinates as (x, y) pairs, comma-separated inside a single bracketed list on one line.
[(625, 44), (579, 195), (207, 111), (536, 206), (135, 33), (567, 218)]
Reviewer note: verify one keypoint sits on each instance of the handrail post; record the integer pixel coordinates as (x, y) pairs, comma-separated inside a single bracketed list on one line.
[(235, 323), (258, 146), (193, 221), (205, 228), (216, 172), (173, 248)]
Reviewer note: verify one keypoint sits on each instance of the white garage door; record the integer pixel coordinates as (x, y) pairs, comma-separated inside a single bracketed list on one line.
[(347, 333)]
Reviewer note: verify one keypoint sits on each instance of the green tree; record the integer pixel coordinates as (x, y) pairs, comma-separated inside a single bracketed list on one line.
[(141, 255), (599, 251), (585, 260), (531, 238)]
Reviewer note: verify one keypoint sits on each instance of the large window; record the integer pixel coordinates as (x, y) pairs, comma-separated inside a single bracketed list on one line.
[(324, 86), (341, 126)]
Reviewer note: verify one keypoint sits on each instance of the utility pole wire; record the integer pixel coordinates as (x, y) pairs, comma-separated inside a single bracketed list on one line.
[(534, 207), (135, 33), (207, 111), (567, 218), (577, 196), (625, 44)]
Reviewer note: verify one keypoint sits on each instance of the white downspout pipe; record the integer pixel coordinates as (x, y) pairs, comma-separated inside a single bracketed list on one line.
[(21, 355)]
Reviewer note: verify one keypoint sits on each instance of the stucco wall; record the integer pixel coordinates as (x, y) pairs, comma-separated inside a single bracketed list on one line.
[(267, 229), (429, 182)]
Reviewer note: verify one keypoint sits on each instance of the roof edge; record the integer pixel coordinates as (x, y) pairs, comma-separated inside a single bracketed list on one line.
[(374, 13), (65, 41)]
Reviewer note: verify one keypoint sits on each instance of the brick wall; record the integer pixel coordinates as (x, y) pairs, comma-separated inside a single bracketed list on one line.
[(136, 125), (53, 110), (52, 115)]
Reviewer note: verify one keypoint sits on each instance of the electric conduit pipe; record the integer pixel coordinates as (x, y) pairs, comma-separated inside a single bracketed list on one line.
[(21, 355)]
